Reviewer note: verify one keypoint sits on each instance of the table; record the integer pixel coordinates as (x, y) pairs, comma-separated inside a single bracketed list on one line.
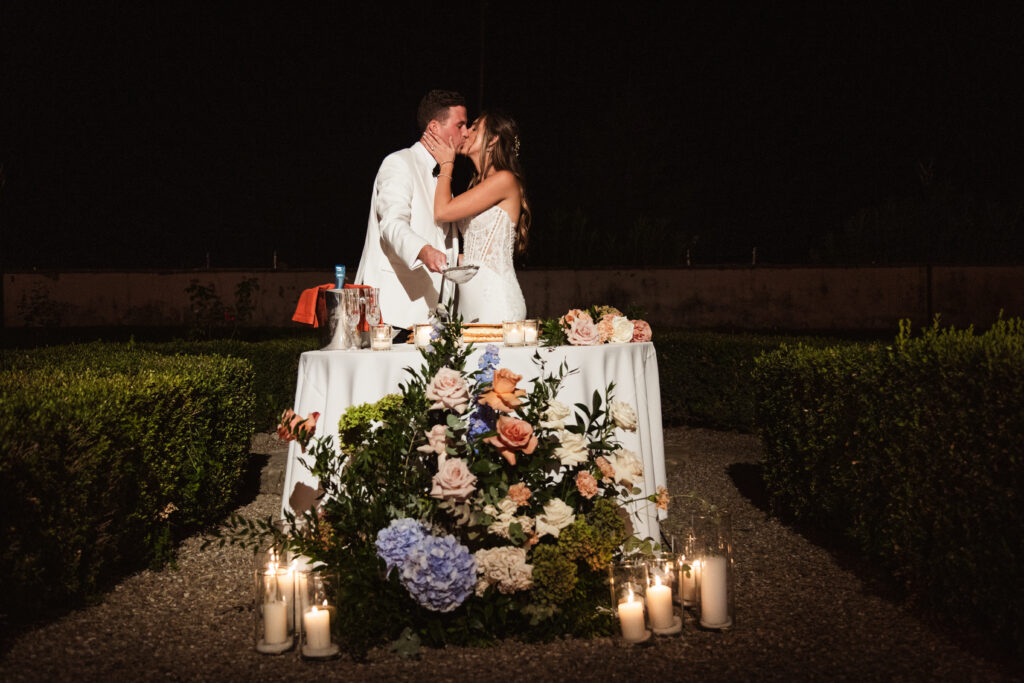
[(331, 381)]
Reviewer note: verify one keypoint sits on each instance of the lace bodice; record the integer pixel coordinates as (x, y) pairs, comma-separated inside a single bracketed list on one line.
[(493, 295), (488, 239)]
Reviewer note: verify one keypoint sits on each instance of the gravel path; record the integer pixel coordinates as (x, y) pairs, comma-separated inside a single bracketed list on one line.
[(801, 615)]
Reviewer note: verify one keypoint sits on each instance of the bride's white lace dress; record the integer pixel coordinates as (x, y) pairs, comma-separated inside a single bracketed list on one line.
[(493, 295)]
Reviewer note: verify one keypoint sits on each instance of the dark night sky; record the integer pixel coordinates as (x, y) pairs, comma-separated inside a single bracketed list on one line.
[(137, 135)]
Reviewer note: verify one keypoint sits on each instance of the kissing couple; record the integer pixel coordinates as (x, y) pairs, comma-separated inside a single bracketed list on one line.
[(412, 235)]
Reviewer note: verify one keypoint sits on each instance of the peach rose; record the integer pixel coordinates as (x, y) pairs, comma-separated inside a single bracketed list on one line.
[(569, 317), (295, 427), (641, 331), (583, 332), (607, 471), (519, 493), (448, 390), (586, 484), (663, 498), (453, 479), (514, 435), (437, 441), (503, 395), (604, 327)]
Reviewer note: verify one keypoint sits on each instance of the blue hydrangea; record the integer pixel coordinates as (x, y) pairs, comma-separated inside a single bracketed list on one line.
[(439, 573), (488, 361), (394, 542)]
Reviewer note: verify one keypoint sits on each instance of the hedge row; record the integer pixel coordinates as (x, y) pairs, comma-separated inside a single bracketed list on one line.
[(706, 378), (914, 452), (110, 453)]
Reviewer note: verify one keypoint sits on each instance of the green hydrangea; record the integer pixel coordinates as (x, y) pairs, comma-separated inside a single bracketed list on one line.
[(356, 422), (554, 575), (594, 539)]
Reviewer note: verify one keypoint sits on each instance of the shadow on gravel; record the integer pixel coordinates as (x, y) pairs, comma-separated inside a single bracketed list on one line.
[(252, 477)]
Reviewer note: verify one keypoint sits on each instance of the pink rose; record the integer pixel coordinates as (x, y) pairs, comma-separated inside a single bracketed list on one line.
[(295, 427), (605, 326), (641, 331), (453, 479), (513, 435), (283, 427), (448, 390), (437, 441), (586, 484), (583, 332)]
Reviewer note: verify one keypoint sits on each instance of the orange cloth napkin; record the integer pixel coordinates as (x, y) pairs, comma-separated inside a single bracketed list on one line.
[(305, 311)]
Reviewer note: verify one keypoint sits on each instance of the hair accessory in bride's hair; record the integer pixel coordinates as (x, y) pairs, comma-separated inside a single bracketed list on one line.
[(515, 145)]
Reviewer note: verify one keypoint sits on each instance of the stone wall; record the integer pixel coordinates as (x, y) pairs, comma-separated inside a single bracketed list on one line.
[(751, 298)]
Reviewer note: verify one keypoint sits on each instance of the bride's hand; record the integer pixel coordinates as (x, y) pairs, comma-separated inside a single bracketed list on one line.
[(442, 151)]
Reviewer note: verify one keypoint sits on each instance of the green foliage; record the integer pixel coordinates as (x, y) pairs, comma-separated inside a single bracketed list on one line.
[(705, 377), (111, 454), (356, 424), (912, 451), (210, 312)]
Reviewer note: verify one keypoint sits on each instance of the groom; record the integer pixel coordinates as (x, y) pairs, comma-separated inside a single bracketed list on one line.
[(405, 249)]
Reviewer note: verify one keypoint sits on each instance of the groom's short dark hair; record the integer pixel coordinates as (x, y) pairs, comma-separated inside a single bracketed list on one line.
[(435, 104)]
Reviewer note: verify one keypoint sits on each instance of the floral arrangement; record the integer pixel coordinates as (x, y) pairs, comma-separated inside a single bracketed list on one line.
[(466, 508), (595, 325)]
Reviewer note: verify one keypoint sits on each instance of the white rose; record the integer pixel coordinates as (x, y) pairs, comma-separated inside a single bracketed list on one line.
[(623, 415), (557, 515), (622, 330), (572, 449), (555, 414), (629, 470), (507, 506)]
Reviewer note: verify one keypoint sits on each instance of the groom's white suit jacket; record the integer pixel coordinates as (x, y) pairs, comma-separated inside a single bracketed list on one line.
[(401, 222)]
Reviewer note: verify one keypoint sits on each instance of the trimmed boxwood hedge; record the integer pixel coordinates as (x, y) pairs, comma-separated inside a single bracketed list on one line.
[(109, 453), (913, 451)]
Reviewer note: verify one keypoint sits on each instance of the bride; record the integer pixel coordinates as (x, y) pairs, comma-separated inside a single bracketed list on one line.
[(492, 215)]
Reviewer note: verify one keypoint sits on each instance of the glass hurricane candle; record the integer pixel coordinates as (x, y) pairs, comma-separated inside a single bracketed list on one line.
[(661, 585), (421, 335), (530, 332), (274, 616), (628, 582), (317, 615), (715, 581)]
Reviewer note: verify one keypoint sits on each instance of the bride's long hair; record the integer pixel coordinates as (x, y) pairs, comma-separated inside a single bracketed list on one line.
[(503, 155)]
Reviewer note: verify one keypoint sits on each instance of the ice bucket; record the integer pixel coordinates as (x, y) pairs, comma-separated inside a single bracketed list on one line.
[(330, 317)]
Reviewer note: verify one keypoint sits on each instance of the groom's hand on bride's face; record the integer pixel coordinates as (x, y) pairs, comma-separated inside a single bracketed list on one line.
[(434, 259)]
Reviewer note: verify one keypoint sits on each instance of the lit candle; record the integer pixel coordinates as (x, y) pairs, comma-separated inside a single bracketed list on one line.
[(513, 333), (317, 625), (631, 619), (689, 581), (659, 604), (286, 585), (380, 337), (530, 332), (714, 605)]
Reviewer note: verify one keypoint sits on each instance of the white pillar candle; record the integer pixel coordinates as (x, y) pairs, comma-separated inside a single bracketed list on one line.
[(631, 619), (317, 625), (275, 622), (286, 585), (714, 605), (513, 334), (659, 605), (689, 588)]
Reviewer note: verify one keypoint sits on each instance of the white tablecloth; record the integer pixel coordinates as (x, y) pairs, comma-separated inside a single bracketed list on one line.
[(331, 381)]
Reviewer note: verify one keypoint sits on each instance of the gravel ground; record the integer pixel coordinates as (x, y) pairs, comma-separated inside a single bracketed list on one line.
[(801, 614)]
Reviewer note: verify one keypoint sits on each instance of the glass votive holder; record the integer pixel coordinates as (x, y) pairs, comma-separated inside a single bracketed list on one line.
[(380, 337), (531, 332), (661, 585), (421, 335), (628, 582), (317, 614), (714, 592), (512, 332), (274, 613)]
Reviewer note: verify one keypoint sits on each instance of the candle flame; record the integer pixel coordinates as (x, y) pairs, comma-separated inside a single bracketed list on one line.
[(325, 603), (630, 598), (657, 580)]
